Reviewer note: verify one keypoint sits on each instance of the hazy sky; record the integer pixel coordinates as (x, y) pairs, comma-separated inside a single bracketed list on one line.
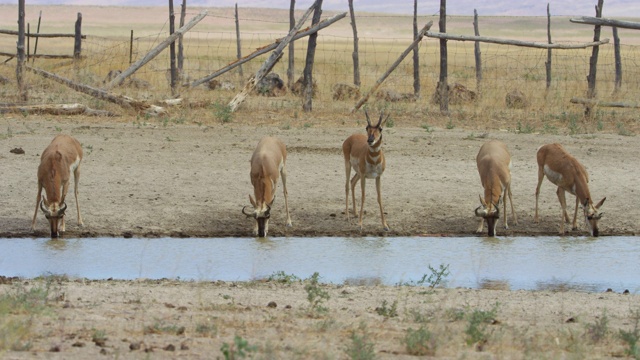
[(612, 8)]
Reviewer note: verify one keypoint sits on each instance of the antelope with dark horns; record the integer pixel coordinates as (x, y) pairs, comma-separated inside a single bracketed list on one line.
[(569, 175), (494, 167), (267, 163), (61, 158), (363, 153)]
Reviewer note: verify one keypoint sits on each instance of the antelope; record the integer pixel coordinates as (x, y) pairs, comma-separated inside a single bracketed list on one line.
[(569, 175), (268, 159), (494, 167), (61, 158), (364, 154)]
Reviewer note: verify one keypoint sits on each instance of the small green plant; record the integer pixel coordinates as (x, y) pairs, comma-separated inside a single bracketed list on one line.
[(622, 130), (427, 128), (361, 348), (573, 126), (390, 123), (419, 342), (58, 128), (477, 326), (206, 329), (388, 312), (600, 125), (99, 337), (597, 331), (436, 277), (471, 136), (307, 125), (631, 337), (282, 277), (239, 349), (526, 129), (222, 112), (159, 327), (89, 149), (286, 126), (316, 295), (450, 125)]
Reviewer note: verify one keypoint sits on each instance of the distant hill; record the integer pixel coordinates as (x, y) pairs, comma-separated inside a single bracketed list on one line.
[(617, 8)]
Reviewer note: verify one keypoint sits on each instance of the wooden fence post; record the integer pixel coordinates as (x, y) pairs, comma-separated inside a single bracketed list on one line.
[(77, 45), (547, 64), (618, 59), (131, 48), (477, 53), (291, 66), (354, 55), (307, 105), (22, 88), (238, 45), (172, 48), (35, 48), (183, 14), (593, 63), (443, 88), (416, 53)]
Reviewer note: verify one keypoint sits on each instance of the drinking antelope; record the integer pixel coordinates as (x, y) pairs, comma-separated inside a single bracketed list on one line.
[(57, 162), (269, 159), (364, 154), (494, 167), (569, 175)]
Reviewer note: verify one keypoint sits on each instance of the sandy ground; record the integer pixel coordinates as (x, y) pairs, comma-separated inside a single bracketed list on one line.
[(142, 178), (153, 178)]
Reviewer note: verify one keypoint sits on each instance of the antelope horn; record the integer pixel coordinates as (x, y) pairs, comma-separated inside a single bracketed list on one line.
[(367, 115), (63, 208), (45, 210), (380, 120), (247, 214)]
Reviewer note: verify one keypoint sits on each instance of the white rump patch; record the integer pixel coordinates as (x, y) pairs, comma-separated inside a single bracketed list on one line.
[(553, 176), (74, 165)]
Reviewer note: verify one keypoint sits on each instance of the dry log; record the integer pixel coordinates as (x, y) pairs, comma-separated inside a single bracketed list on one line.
[(55, 109), (595, 102)]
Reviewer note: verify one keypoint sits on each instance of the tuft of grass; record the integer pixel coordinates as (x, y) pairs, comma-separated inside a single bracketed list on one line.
[(623, 131), (630, 338), (524, 129), (477, 325), (222, 112), (282, 277), (207, 330), (597, 331), (159, 327), (427, 128), (435, 278)]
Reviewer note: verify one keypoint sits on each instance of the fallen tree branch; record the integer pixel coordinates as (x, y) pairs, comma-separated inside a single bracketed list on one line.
[(606, 22), (55, 109), (601, 103), (514, 42)]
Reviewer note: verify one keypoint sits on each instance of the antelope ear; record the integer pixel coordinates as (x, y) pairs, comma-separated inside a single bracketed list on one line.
[(600, 203), (253, 202)]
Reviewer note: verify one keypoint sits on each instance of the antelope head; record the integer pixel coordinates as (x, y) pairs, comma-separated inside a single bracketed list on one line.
[(54, 212), (261, 213), (592, 216), (491, 213), (374, 133)]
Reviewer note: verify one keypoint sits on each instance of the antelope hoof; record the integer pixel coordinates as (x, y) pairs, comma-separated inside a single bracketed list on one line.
[(574, 228), (386, 228), (289, 224)]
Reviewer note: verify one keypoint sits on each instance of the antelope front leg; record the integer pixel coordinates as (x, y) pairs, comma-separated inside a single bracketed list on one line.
[(480, 226), (540, 178), (563, 209), (378, 189), (513, 212), (35, 214), (362, 186), (347, 168), (354, 181), (575, 216), (283, 173), (76, 179)]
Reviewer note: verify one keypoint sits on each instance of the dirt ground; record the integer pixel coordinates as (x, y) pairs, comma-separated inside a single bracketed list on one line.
[(151, 178)]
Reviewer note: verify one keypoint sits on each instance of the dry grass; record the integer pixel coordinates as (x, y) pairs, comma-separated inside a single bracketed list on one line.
[(212, 45)]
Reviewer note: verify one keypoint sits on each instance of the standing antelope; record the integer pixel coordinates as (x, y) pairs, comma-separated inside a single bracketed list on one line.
[(58, 161), (364, 154), (568, 174), (269, 159), (494, 167)]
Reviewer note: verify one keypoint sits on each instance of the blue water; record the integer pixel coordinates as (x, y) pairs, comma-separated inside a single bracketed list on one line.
[(583, 263)]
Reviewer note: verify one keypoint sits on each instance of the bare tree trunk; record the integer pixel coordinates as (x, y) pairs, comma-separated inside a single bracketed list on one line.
[(22, 88), (593, 62), (618, 59), (548, 63), (307, 105), (172, 48), (354, 55), (443, 88), (238, 45), (416, 53), (291, 66), (477, 53)]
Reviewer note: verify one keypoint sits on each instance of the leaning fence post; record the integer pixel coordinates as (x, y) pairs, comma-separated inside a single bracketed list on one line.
[(548, 63), (35, 48), (307, 104), (238, 45), (354, 55)]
